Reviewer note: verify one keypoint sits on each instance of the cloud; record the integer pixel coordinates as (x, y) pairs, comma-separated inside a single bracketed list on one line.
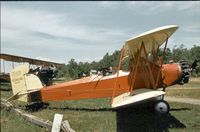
[(192, 28), (110, 4), (192, 5), (161, 6), (85, 32), (44, 33), (48, 25)]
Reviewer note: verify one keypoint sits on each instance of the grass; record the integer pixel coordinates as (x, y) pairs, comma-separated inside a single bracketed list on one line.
[(96, 116), (10, 122), (187, 93), (189, 90), (187, 114)]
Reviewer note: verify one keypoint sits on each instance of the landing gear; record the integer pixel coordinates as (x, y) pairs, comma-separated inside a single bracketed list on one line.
[(161, 107)]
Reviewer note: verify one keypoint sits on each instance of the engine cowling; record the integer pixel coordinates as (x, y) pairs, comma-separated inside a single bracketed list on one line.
[(176, 73)]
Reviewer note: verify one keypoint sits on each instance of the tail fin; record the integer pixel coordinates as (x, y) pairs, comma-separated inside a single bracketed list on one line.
[(23, 83)]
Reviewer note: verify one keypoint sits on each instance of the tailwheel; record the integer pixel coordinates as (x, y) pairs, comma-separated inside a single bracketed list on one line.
[(161, 107)]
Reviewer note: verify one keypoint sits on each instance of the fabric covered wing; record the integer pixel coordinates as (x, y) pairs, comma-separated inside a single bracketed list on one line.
[(126, 99), (151, 39)]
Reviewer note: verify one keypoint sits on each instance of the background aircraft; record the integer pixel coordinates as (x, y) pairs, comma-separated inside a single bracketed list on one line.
[(45, 70)]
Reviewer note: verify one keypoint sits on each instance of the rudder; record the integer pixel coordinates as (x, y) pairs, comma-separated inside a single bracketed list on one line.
[(24, 83)]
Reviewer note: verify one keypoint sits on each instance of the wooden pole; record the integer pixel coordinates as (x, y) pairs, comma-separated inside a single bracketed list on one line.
[(65, 127), (57, 123)]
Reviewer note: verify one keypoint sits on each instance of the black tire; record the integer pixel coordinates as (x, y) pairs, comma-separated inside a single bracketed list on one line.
[(161, 107)]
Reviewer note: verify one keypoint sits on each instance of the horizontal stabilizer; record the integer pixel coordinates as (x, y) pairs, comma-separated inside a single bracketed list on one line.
[(21, 94)]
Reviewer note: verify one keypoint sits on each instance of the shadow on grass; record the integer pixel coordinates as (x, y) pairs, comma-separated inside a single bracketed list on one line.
[(136, 118), (145, 120), (34, 107), (179, 109), (82, 109)]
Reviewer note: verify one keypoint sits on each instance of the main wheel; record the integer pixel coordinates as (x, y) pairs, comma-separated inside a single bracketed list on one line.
[(161, 107)]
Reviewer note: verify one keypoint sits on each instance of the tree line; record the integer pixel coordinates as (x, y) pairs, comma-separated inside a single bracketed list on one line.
[(74, 70)]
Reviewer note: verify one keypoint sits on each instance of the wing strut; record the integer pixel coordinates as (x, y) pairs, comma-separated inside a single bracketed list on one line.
[(119, 66), (135, 68), (159, 72), (142, 61)]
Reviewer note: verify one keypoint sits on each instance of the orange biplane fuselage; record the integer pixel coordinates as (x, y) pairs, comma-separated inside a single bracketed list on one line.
[(102, 86)]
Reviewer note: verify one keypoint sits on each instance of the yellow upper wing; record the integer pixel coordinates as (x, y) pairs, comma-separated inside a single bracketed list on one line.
[(152, 40)]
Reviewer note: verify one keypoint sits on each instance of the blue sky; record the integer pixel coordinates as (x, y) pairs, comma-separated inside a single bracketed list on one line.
[(59, 31)]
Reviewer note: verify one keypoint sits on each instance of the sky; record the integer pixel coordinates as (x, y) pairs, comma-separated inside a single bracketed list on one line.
[(85, 31)]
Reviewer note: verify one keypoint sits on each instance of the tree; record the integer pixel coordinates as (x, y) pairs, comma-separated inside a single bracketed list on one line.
[(180, 53), (195, 53), (63, 71), (75, 70), (168, 55)]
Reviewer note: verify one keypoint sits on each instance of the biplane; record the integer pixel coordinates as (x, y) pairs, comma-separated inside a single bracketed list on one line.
[(146, 78), (46, 70)]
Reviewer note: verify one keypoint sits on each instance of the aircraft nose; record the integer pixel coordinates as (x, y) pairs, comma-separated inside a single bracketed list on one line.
[(175, 73)]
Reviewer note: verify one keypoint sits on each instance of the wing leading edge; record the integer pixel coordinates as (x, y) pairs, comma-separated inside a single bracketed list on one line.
[(152, 40)]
